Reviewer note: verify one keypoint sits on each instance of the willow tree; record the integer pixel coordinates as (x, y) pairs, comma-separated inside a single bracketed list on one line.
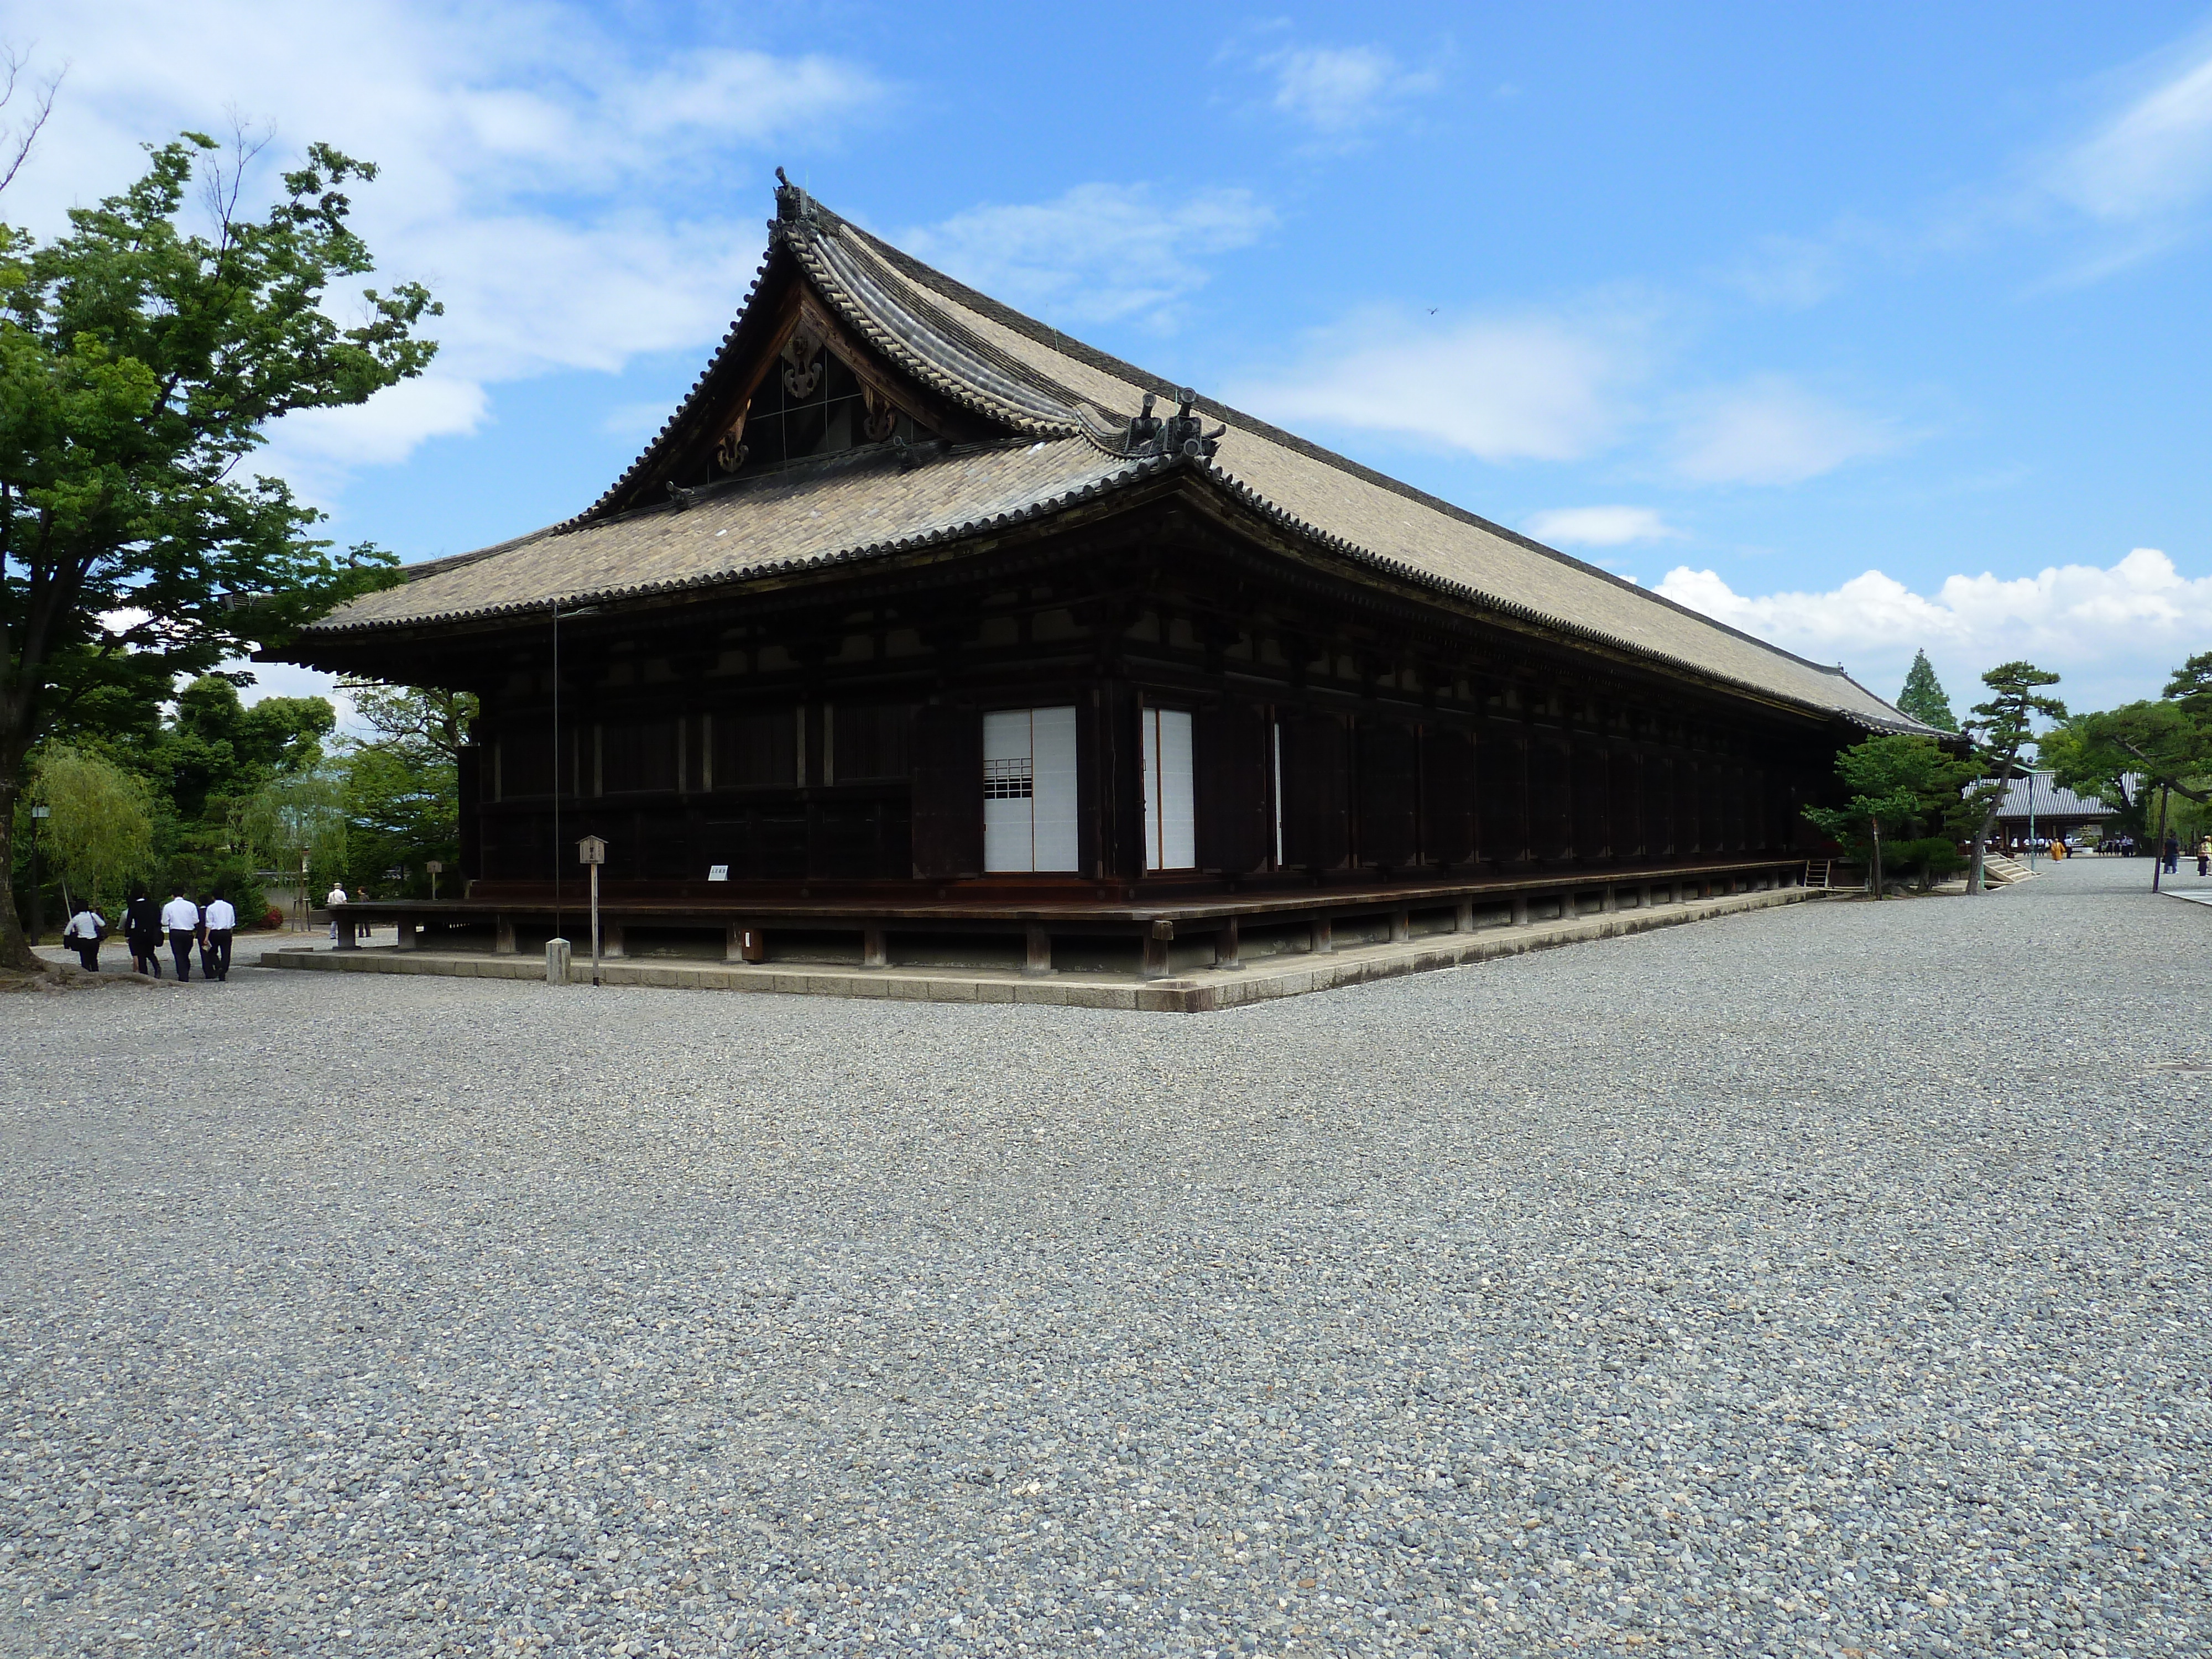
[(98, 828), (143, 353)]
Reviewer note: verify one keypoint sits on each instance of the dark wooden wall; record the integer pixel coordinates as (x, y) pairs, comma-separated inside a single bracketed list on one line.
[(842, 742)]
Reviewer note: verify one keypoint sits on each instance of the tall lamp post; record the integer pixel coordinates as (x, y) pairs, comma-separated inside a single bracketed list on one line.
[(594, 852), (39, 816)]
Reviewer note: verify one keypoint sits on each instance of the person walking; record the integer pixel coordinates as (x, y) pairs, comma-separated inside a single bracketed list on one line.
[(2172, 851), (83, 935), (217, 922), (181, 920), (2204, 855), (331, 899), (142, 932)]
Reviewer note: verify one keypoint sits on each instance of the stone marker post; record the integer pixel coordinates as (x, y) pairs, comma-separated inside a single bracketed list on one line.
[(557, 962), (592, 851)]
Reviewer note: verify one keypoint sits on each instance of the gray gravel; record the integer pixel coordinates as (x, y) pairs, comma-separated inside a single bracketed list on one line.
[(1829, 1280)]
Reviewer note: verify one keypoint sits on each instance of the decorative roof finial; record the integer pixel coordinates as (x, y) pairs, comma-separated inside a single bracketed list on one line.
[(791, 203), (1180, 434)]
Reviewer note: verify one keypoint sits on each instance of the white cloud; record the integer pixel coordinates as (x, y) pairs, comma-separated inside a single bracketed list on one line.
[(1338, 90), (2152, 158), (1528, 387), (1600, 526), (2114, 632), (1770, 431), (530, 160), (1099, 252), (316, 448)]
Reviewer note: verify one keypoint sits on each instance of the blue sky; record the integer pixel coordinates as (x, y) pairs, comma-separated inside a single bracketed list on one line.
[(1866, 331)]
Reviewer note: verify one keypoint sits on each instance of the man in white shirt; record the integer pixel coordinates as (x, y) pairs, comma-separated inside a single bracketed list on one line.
[(335, 897), (83, 935), (217, 919), (181, 920)]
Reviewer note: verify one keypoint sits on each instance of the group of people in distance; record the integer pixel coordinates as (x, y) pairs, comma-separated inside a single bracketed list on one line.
[(185, 926)]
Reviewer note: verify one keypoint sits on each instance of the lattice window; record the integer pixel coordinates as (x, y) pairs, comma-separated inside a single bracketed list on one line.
[(1009, 779)]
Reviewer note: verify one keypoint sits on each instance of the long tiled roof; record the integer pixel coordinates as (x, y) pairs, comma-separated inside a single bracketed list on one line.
[(2037, 789), (1068, 403)]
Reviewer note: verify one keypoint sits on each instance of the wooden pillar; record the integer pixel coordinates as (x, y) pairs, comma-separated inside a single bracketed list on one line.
[(404, 934), (1228, 946), (1324, 936), (1611, 901), (1463, 917), (744, 943), (503, 936), (1401, 926), (1037, 961), (610, 939), (348, 929), (1157, 940), (875, 948), (1520, 910)]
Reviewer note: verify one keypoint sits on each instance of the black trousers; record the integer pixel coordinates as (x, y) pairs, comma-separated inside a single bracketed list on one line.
[(215, 953), (88, 955), (146, 955), (181, 940)]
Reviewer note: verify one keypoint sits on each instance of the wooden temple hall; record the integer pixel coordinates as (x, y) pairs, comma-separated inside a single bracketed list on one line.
[(923, 634)]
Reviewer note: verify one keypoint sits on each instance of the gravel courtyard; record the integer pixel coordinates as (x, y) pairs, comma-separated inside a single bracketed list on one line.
[(1828, 1280)]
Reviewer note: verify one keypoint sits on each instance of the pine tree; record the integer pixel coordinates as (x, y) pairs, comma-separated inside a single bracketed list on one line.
[(1923, 698)]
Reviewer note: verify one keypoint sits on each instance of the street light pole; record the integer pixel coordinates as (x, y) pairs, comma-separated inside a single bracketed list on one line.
[(38, 817)]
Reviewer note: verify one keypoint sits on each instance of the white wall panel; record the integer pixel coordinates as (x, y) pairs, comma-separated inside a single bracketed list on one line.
[(1029, 789), (1053, 739), (1170, 817), (1008, 774)]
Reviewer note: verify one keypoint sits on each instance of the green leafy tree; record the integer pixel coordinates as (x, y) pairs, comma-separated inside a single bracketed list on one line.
[(2165, 744), (1923, 698), (1906, 800), (219, 747), (298, 823), (417, 720), (402, 782), (141, 362), (98, 830), (2157, 742), (2002, 729)]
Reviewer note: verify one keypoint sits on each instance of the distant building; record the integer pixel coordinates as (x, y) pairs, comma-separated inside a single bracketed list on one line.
[(921, 625), (2056, 813)]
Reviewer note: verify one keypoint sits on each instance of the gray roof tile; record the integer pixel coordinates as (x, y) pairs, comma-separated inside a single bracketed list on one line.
[(1062, 395)]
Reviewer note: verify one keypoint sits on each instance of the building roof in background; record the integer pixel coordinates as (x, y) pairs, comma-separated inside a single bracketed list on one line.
[(2049, 801), (1065, 411)]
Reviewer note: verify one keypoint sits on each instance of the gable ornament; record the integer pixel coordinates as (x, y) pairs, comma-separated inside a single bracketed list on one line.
[(730, 453), (803, 362), (881, 415)]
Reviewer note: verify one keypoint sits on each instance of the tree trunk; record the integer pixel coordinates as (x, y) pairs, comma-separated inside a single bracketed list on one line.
[(1874, 876), (1974, 880), (15, 949)]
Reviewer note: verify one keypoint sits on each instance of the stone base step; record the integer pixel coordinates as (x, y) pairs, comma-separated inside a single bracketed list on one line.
[(1261, 979)]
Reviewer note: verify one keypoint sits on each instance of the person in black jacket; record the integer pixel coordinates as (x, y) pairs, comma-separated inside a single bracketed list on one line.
[(142, 931)]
